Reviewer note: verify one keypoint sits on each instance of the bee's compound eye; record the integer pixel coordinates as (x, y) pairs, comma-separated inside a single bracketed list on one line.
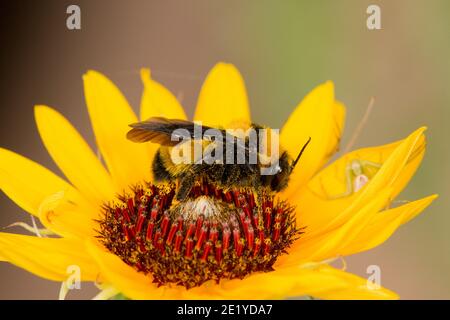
[(272, 170)]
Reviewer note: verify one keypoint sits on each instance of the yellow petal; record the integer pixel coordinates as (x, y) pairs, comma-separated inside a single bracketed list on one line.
[(320, 205), (320, 117), (110, 114), (278, 284), (73, 155), (136, 285), (223, 98), (286, 282), (362, 292), (69, 223), (158, 101), (383, 225), (330, 244), (318, 281), (66, 219), (28, 183), (46, 257), (359, 289), (128, 281), (283, 283)]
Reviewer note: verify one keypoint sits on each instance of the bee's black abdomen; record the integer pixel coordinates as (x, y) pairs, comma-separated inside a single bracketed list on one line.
[(160, 172)]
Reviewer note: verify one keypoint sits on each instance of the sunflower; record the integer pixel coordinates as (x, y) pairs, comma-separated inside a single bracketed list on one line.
[(109, 218)]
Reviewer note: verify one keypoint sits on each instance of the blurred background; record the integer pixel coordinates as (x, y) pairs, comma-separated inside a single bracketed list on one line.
[(283, 50)]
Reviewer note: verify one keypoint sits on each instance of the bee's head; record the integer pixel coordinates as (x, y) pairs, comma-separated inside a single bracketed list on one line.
[(283, 171), (278, 178)]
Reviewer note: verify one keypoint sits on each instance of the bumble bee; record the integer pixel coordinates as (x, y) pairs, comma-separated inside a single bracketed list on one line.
[(230, 175)]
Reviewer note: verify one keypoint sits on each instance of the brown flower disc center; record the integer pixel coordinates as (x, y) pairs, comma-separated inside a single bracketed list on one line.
[(213, 234)]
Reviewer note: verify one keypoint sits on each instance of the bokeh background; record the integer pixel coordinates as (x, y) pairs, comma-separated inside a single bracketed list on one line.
[(283, 49)]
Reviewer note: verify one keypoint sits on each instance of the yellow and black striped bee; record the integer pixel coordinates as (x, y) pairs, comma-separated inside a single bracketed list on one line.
[(227, 175)]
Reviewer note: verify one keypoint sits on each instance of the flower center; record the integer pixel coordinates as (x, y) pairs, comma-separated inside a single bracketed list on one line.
[(213, 234)]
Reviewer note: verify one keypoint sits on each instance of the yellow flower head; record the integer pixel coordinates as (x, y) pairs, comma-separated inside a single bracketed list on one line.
[(126, 230)]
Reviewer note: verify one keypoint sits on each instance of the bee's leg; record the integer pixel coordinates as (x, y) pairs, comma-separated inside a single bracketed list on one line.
[(186, 184), (225, 174), (160, 172), (232, 175), (216, 173)]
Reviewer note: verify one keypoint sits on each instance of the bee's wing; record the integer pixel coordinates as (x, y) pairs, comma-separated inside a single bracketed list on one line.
[(161, 130)]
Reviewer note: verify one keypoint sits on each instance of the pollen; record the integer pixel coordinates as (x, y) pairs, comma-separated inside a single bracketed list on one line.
[(214, 234)]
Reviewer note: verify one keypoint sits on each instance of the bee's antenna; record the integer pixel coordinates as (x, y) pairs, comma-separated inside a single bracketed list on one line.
[(300, 154)]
